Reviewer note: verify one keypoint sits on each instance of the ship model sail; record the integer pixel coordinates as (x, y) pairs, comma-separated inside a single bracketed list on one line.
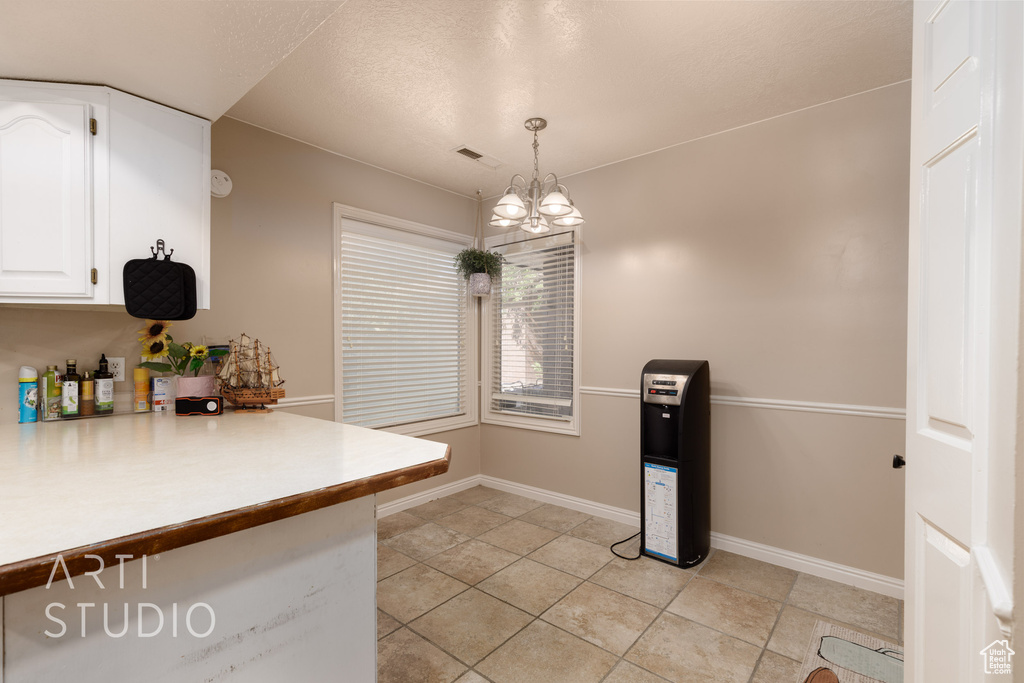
[(249, 377)]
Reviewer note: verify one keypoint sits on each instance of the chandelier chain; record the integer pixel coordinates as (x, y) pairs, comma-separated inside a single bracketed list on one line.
[(536, 153)]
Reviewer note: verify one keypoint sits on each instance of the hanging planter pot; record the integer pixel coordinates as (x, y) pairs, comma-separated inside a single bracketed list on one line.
[(478, 266), (479, 284)]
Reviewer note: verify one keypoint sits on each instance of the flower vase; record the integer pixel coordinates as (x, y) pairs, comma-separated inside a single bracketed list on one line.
[(479, 284), (203, 385)]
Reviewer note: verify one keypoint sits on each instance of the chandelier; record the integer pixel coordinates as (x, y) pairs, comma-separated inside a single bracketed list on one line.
[(529, 206)]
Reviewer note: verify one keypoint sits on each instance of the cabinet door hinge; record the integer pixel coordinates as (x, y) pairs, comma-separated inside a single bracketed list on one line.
[(92, 126), (95, 276)]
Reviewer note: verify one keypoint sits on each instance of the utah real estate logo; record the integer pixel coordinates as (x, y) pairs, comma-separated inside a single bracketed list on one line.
[(998, 657)]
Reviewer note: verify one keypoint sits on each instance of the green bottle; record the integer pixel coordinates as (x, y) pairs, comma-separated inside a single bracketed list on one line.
[(51, 397), (69, 394), (104, 388)]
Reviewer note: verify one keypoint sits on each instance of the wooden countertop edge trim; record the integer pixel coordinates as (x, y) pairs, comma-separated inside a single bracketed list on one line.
[(19, 576)]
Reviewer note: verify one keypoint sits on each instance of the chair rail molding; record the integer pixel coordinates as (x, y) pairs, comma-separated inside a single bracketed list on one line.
[(883, 412), (297, 401)]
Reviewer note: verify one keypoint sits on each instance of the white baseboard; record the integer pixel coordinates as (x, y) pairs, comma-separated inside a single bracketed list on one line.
[(385, 509), (850, 576), (579, 504)]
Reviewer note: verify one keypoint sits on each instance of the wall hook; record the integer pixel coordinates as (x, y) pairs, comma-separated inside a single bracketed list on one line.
[(160, 250)]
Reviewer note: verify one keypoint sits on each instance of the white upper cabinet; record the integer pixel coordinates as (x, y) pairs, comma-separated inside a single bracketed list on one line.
[(90, 178), (46, 194)]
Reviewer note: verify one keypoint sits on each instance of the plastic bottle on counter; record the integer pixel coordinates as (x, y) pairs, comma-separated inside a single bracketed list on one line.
[(69, 397), (28, 394), (104, 388), (141, 376), (162, 397), (88, 403), (50, 389)]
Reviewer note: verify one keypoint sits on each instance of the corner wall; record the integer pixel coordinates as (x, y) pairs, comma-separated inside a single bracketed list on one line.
[(778, 252), (272, 259)]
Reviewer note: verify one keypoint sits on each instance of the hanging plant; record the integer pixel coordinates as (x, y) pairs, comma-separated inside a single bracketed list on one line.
[(469, 261), (478, 266)]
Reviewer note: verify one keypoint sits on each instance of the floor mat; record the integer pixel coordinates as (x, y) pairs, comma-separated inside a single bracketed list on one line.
[(839, 655)]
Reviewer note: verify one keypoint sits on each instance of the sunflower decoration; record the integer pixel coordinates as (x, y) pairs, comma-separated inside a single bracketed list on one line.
[(180, 358), (155, 339)]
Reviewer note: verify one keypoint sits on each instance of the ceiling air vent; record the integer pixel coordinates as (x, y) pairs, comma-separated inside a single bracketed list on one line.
[(467, 152), (479, 157)]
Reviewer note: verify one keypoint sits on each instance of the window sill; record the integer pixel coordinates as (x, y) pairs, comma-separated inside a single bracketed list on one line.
[(566, 427), (433, 426)]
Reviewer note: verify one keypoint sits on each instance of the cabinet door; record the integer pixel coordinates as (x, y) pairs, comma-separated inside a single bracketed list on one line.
[(159, 188), (45, 205)]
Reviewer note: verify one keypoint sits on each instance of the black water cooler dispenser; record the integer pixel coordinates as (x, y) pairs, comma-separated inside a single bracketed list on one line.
[(675, 461)]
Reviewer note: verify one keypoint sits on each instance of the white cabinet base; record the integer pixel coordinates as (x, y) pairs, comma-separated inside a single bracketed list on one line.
[(292, 600)]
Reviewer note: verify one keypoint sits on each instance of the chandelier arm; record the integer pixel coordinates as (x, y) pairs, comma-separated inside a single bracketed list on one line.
[(554, 185), (521, 191)]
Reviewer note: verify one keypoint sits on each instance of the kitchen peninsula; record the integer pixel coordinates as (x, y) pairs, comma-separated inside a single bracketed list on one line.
[(239, 547)]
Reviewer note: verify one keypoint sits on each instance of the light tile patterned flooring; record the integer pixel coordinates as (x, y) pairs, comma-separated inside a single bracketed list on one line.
[(489, 586)]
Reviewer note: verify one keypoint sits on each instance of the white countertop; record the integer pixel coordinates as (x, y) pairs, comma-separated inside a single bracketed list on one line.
[(83, 482)]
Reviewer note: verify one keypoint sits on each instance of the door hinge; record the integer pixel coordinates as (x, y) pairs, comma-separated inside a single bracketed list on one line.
[(92, 126), (95, 276)]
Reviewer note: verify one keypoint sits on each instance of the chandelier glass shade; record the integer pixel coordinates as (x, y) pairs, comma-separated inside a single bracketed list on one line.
[(538, 204)]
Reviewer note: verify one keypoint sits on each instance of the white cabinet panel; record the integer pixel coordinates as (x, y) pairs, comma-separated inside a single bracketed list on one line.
[(159, 188), (45, 218), (293, 600)]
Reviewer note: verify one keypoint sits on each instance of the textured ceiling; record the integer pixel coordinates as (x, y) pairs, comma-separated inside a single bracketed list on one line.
[(400, 84), (197, 56)]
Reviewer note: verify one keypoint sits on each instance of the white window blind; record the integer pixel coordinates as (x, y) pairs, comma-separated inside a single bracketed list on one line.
[(533, 329), (403, 328)]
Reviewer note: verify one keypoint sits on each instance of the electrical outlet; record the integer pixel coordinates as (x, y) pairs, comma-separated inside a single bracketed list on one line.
[(116, 368)]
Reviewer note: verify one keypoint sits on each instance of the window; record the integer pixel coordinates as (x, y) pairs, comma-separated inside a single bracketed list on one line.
[(532, 323), (403, 328)]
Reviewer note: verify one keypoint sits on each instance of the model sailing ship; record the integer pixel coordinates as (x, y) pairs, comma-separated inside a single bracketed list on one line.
[(249, 376)]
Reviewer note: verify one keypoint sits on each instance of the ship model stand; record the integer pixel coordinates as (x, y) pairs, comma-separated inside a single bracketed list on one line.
[(248, 376)]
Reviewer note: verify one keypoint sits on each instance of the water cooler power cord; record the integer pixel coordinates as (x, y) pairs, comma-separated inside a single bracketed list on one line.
[(626, 540)]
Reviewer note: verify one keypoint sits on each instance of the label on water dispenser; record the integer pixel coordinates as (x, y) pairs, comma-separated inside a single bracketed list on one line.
[(660, 536)]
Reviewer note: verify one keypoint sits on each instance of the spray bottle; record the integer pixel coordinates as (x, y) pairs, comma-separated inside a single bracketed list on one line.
[(28, 394)]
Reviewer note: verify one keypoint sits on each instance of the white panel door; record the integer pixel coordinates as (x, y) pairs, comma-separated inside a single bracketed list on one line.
[(955, 567), (45, 206)]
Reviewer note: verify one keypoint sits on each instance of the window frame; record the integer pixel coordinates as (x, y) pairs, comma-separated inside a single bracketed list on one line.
[(470, 417), (537, 423)]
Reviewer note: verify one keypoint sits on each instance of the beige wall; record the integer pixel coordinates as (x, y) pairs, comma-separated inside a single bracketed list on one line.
[(49, 335), (778, 252), (271, 257)]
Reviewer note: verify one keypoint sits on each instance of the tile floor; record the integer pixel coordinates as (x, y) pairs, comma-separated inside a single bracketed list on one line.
[(489, 586)]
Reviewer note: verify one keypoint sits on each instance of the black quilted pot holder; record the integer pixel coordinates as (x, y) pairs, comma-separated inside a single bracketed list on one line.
[(159, 289)]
